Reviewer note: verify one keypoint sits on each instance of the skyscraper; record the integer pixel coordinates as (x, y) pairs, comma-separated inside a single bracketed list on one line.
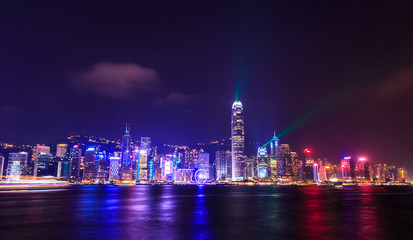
[(262, 167), (74, 157), (90, 166), (1, 167), (143, 159), (22, 158), (204, 162), (274, 155), (126, 148), (221, 165), (237, 141), (61, 150), (40, 149), (114, 168), (126, 170)]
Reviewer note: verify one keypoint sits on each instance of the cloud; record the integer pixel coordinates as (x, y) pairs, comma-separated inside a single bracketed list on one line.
[(397, 83), (176, 98), (117, 80)]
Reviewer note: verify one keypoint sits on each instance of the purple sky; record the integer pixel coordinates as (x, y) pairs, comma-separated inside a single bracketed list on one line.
[(341, 70)]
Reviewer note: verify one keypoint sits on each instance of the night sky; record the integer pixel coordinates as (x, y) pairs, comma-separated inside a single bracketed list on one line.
[(336, 76)]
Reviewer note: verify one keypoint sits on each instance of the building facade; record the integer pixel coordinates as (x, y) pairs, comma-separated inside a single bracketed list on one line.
[(237, 141)]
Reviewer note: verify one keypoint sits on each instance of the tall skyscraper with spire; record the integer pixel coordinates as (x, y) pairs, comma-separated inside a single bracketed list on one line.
[(237, 141), (126, 148)]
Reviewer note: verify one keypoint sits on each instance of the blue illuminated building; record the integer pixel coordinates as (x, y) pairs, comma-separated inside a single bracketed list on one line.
[(126, 148), (262, 167)]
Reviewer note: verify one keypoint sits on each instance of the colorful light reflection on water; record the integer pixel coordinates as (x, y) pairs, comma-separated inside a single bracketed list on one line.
[(208, 212)]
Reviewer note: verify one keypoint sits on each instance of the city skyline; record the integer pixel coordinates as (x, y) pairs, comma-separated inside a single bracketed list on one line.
[(332, 77)]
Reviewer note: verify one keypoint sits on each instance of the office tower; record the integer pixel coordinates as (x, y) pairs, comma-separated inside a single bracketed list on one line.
[(114, 170), (74, 158), (308, 171), (167, 168), (294, 165), (184, 175), (228, 158), (220, 165), (44, 165), (61, 150), (90, 167), (1, 167), (352, 168), (345, 167), (284, 161), (362, 168), (21, 157), (237, 141), (151, 171), (262, 167), (274, 155), (143, 159), (315, 172), (204, 162), (102, 170), (13, 170), (126, 148), (250, 168), (322, 173), (40, 149)]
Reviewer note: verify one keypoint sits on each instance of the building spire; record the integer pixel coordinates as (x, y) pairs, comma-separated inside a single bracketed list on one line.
[(127, 131)]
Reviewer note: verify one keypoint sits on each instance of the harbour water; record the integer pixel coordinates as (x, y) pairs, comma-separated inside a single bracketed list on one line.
[(208, 212)]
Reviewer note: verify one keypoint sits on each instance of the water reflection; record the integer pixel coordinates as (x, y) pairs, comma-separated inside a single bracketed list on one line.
[(201, 228), (209, 212)]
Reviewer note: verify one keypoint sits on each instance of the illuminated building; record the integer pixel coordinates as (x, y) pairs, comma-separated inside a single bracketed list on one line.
[(143, 159), (322, 173), (90, 167), (151, 169), (204, 162), (167, 168), (174, 165), (228, 157), (249, 168), (284, 161), (126, 148), (274, 154), (184, 175), (74, 157), (13, 171), (221, 165), (22, 158), (1, 167), (348, 168), (114, 170), (294, 165), (362, 168), (308, 168), (262, 167), (345, 167), (40, 149), (237, 141), (61, 150), (352, 168), (315, 172), (44, 164), (191, 158), (145, 143)]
